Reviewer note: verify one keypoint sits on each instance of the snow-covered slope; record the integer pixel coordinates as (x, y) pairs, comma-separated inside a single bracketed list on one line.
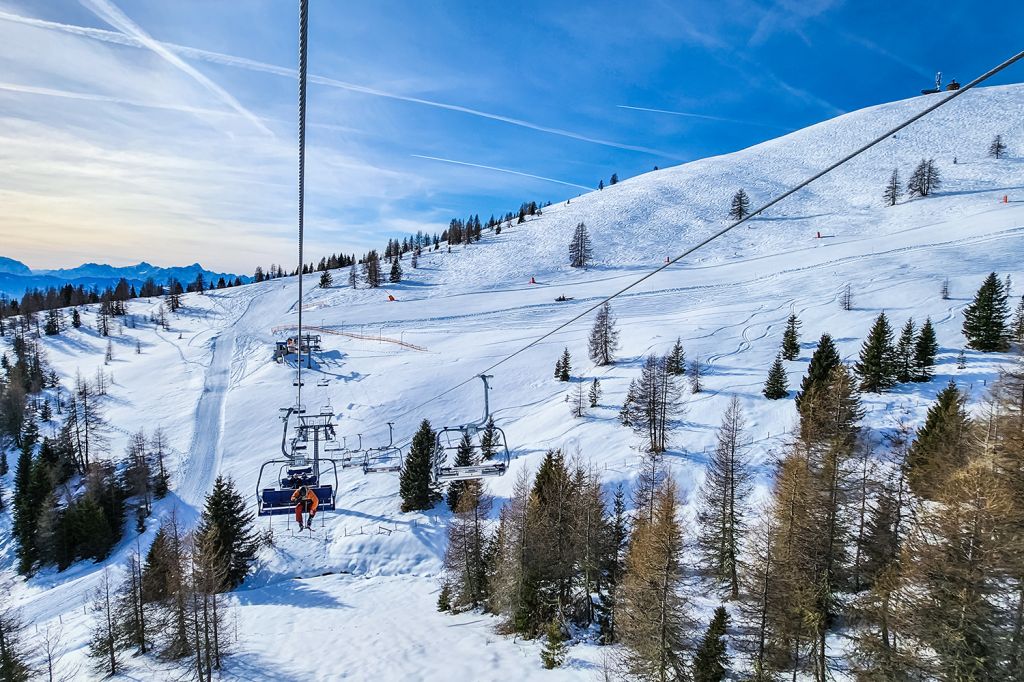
[(212, 384)]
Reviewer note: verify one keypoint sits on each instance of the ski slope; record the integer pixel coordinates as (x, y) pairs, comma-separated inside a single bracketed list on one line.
[(356, 596)]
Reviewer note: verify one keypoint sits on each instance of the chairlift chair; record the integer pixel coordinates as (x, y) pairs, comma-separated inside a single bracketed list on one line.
[(300, 467), (385, 459), (447, 443)]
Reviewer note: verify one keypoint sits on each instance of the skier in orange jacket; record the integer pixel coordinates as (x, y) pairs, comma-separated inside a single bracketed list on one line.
[(306, 500)]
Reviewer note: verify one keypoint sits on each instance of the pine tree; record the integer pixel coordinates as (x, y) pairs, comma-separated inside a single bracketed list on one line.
[(415, 485), (939, 448), (651, 612), (604, 337), (76, 318), (564, 366), (353, 278), (985, 317), (595, 392), (791, 338), (998, 148), (676, 360), (226, 524), (740, 207), (823, 361), (695, 376), (326, 280), (925, 348), (846, 298), (722, 509), (712, 658), (558, 368), (465, 456), (396, 272), (961, 360), (553, 653), (903, 355), (892, 189), (444, 597), (777, 385), (580, 250), (875, 366), (944, 292), (489, 440)]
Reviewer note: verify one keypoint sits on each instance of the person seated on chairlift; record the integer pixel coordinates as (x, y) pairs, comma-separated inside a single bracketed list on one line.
[(306, 500)]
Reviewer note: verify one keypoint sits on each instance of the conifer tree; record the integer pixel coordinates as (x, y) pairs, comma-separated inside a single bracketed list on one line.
[(489, 440), (944, 291), (925, 179), (985, 317), (925, 348), (777, 385), (998, 148), (15, 659), (791, 338), (939, 448), (595, 392), (564, 367), (903, 355), (129, 609), (722, 509), (604, 337), (553, 653), (558, 368), (396, 272), (676, 360), (740, 207), (578, 402), (1017, 327), (712, 658), (875, 366), (580, 249), (823, 361), (651, 403), (106, 632), (465, 456), (353, 278), (76, 318), (651, 613), (226, 524), (326, 280), (466, 557), (696, 386), (892, 189), (415, 485)]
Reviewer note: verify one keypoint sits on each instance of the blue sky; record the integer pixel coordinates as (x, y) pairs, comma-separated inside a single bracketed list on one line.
[(165, 131)]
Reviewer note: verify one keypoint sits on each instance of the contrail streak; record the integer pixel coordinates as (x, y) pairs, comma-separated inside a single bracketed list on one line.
[(704, 116), (263, 67), (94, 97), (500, 170), (119, 20)]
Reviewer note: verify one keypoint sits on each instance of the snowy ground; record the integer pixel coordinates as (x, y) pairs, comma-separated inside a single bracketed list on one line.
[(358, 597)]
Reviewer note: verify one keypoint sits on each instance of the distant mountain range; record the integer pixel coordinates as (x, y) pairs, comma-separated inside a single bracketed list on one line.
[(16, 278)]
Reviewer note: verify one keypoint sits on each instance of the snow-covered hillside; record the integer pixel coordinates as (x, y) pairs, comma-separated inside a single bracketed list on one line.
[(356, 600)]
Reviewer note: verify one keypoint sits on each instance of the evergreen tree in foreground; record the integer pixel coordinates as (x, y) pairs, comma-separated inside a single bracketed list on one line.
[(230, 540), (791, 339), (14, 651), (553, 653), (777, 386), (985, 317), (740, 207), (711, 658), (903, 356), (415, 485), (925, 348), (941, 445), (875, 366), (823, 361)]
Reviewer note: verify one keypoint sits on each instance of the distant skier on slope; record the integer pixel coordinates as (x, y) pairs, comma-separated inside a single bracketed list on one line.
[(306, 500)]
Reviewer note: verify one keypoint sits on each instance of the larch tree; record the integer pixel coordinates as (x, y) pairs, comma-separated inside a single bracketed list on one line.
[(740, 206), (652, 403), (604, 337), (465, 559), (722, 514), (997, 149), (925, 179), (892, 189), (652, 616)]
